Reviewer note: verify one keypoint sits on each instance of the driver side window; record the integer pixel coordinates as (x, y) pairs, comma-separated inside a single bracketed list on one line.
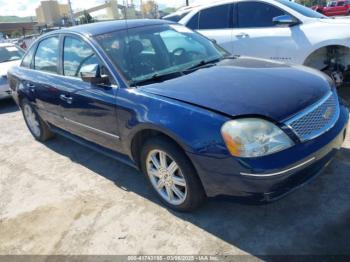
[(76, 55), (257, 14)]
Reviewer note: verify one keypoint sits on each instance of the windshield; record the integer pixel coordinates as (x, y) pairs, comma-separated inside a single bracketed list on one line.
[(142, 53), (305, 11), (10, 53), (175, 17)]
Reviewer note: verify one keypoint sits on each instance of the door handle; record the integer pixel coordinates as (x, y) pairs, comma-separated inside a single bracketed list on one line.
[(31, 87), (67, 99), (242, 35)]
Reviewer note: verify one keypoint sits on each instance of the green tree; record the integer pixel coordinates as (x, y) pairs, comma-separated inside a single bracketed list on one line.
[(16, 34)]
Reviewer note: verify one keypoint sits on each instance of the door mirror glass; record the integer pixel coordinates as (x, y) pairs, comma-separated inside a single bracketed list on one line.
[(92, 74), (286, 20)]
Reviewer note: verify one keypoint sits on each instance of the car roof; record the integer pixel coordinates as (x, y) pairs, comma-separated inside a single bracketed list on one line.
[(109, 26)]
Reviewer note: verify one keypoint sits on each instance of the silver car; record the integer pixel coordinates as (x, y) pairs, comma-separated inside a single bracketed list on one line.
[(10, 55)]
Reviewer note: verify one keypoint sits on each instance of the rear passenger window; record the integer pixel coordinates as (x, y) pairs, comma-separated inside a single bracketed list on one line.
[(76, 55), (256, 14), (217, 17), (46, 57), (27, 59)]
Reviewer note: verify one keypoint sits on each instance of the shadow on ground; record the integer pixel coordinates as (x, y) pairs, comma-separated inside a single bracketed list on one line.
[(7, 106), (313, 220)]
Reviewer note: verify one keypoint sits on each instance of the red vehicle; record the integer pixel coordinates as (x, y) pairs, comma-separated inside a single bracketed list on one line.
[(334, 8)]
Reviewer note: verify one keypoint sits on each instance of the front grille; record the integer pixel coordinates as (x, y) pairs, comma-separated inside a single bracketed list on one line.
[(317, 119)]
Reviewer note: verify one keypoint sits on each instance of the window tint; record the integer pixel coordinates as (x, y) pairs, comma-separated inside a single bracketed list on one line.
[(216, 17), (27, 59), (193, 23), (76, 55), (46, 57), (255, 14), (341, 3)]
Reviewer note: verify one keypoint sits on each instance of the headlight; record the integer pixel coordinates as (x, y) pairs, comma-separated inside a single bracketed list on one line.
[(253, 137)]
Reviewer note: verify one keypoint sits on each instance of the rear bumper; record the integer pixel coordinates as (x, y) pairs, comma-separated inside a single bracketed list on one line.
[(272, 177)]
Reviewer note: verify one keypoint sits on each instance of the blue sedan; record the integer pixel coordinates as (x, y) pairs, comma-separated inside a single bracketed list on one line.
[(195, 120)]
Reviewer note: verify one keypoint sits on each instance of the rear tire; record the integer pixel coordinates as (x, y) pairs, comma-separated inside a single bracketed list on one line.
[(37, 127), (171, 175)]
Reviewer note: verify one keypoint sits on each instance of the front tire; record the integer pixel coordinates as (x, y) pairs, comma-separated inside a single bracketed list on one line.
[(37, 127), (171, 175)]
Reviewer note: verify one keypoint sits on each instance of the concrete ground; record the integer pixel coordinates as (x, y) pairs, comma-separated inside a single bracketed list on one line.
[(61, 198)]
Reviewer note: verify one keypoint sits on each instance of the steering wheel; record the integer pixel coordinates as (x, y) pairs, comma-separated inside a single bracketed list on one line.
[(178, 51)]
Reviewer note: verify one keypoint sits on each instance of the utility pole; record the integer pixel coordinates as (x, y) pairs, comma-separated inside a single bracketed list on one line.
[(187, 2), (71, 13)]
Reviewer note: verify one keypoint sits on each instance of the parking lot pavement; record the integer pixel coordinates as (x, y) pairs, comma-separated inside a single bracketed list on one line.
[(61, 198)]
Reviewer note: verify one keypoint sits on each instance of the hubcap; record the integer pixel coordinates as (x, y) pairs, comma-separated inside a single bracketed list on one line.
[(32, 121), (166, 177)]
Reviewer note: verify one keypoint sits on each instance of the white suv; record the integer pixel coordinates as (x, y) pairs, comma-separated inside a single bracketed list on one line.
[(274, 29)]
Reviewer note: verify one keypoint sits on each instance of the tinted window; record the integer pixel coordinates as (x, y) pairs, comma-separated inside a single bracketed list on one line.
[(255, 14), (46, 57), (193, 23), (341, 3), (76, 55), (216, 17), (27, 59)]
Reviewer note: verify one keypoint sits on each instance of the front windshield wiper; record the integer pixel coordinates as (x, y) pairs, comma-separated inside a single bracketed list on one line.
[(202, 64), (156, 78)]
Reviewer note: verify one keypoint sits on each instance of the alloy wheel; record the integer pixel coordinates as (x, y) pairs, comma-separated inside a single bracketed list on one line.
[(166, 177), (32, 120)]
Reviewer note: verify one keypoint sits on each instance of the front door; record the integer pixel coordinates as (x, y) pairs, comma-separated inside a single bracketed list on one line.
[(256, 35), (89, 110)]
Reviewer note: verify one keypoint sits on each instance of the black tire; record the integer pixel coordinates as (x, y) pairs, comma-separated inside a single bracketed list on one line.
[(195, 193), (45, 132)]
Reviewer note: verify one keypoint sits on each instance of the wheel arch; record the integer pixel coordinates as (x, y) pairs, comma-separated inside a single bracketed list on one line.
[(142, 134), (317, 52)]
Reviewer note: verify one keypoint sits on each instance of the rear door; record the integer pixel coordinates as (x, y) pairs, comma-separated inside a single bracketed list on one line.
[(89, 110), (41, 82), (216, 24)]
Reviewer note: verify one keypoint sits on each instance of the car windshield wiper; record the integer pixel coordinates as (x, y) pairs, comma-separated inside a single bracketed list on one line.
[(203, 64), (156, 78)]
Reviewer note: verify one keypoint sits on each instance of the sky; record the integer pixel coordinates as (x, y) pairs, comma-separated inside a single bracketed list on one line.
[(27, 7)]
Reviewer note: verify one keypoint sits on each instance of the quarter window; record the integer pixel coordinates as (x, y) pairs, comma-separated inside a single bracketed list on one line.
[(76, 55), (256, 14), (217, 17), (46, 57), (27, 59), (193, 23)]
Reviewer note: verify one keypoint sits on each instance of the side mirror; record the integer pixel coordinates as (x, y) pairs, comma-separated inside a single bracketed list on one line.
[(286, 20), (92, 74)]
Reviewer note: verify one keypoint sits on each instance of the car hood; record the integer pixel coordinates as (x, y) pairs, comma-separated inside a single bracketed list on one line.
[(247, 86), (4, 67)]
